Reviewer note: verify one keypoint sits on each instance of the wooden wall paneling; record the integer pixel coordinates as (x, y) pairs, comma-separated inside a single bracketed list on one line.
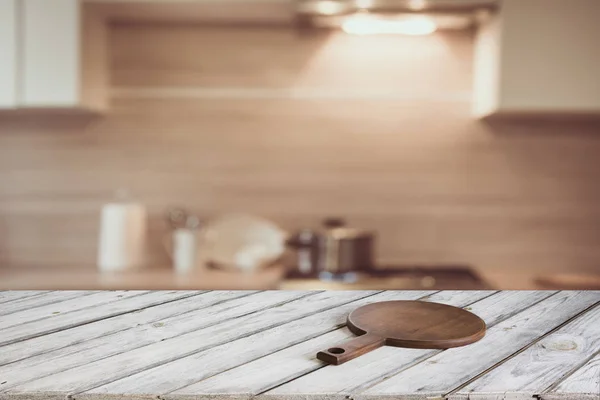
[(436, 185)]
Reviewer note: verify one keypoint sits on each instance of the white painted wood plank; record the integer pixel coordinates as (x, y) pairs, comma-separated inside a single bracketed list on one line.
[(109, 369), (153, 313), (12, 295), (67, 306), (72, 319), (274, 369), (448, 370), (529, 373), (247, 380), (369, 369), (44, 299), (582, 384), (141, 334), (182, 372), (8, 53), (490, 396)]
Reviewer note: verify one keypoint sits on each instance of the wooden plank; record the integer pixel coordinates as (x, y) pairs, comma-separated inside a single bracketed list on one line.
[(44, 299), (106, 370), (68, 306), (583, 384), (85, 316), (286, 61), (285, 93), (372, 368), (191, 369), (155, 312), (274, 369), (527, 374), (262, 374), (11, 295), (259, 12), (140, 335), (448, 370)]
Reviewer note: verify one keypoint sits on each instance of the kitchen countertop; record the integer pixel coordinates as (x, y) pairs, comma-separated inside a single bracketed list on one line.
[(147, 279), (244, 344), (272, 278)]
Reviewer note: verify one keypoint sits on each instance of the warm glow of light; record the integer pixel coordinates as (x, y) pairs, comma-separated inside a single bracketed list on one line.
[(417, 4), (374, 26), (328, 7), (364, 3)]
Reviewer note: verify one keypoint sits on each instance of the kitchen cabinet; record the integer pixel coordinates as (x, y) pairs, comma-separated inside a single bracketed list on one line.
[(8, 54), (63, 53), (538, 57)]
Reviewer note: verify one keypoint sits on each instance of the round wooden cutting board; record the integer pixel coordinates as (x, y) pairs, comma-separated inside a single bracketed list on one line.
[(414, 324)]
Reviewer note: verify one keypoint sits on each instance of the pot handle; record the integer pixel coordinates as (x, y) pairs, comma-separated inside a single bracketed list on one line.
[(351, 349)]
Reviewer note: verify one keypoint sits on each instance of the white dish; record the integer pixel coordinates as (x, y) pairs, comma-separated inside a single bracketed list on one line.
[(241, 242)]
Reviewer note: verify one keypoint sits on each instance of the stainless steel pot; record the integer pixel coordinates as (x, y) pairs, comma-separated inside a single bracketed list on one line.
[(337, 253), (347, 250)]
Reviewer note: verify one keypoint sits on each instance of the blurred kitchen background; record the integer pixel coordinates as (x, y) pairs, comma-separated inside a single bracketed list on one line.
[(299, 144)]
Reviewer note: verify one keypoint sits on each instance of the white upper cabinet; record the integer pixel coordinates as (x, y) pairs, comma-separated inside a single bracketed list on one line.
[(63, 56), (8, 53), (51, 53), (539, 57)]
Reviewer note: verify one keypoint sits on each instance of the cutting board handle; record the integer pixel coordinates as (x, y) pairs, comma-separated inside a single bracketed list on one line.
[(351, 349)]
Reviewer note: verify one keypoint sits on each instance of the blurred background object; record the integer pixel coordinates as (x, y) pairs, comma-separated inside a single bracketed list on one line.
[(241, 242), (181, 242), (122, 237), (459, 140)]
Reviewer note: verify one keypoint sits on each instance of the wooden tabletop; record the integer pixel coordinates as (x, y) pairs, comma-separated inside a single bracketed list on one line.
[(244, 344)]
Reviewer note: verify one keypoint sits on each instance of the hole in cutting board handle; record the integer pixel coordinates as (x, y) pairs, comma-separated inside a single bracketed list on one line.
[(336, 350), (353, 348)]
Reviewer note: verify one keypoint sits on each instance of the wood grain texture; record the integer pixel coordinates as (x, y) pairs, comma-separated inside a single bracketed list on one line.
[(12, 295), (436, 185), (169, 308), (536, 367), (160, 352), (140, 335), (582, 384), (446, 371), (67, 306), (282, 59), (269, 354), (191, 369), (228, 12), (94, 62), (37, 301), (71, 319), (361, 373), (293, 362), (409, 324)]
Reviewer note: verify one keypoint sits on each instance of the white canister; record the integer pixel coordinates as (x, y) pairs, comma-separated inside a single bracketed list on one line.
[(184, 250), (122, 239)]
